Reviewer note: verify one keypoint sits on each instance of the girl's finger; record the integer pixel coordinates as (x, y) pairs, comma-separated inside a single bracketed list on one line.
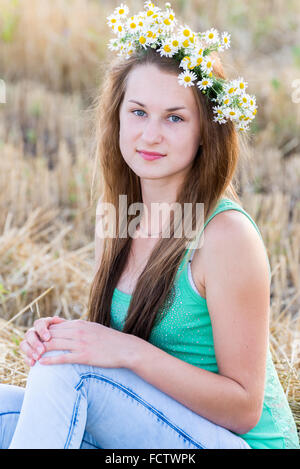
[(41, 326), (29, 361), (28, 350), (34, 341), (61, 358), (60, 344)]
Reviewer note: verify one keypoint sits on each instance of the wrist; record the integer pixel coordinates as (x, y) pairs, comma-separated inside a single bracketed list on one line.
[(134, 351)]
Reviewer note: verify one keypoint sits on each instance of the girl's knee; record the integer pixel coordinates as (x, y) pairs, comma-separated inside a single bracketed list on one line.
[(11, 398)]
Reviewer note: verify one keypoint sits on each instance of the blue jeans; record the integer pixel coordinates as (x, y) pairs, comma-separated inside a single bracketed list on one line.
[(82, 406)]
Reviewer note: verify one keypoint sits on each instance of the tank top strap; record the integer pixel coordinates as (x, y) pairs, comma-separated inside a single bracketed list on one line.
[(223, 205)]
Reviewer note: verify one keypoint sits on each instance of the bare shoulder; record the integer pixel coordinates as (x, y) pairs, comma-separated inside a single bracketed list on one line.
[(232, 246)]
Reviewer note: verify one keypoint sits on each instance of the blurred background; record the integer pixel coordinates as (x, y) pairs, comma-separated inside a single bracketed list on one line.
[(52, 55)]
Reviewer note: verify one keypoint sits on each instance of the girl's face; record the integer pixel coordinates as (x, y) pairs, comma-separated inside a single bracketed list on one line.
[(158, 115)]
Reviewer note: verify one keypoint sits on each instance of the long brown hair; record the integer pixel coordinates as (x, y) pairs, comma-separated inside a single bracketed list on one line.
[(210, 178)]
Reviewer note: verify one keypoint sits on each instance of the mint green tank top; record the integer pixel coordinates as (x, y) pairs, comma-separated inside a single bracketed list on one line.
[(185, 331)]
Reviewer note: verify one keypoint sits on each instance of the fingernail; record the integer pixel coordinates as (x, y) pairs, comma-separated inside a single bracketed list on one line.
[(40, 349), (46, 336), (35, 356)]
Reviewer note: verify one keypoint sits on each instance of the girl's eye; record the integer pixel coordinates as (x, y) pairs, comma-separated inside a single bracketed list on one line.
[(177, 117), (138, 110)]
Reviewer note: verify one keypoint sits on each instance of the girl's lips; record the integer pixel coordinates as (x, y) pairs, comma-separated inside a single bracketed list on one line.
[(149, 156)]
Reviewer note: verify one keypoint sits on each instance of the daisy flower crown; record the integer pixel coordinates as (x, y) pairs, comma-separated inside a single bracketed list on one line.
[(155, 28)]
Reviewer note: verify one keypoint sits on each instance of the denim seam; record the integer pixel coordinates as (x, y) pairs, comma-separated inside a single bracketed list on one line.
[(140, 400), (73, 421), (91, 444), (6, 413)]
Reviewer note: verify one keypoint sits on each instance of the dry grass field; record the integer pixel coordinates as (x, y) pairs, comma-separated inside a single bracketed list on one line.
[(51, 54)]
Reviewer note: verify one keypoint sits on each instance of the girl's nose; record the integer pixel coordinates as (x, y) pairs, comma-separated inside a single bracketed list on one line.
[(152, 131)]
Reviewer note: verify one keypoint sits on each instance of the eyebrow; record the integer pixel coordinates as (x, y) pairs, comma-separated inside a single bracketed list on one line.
[(169, 109)]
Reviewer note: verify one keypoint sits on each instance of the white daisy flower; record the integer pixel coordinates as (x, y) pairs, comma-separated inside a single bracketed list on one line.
[(225, 40), (166, 49), (187, 78), (242, 127), (175, 44), (151, 36), (185, 31), (185, 62), (232, 113), (205, 83), (143, 40), (220, 120), (207, 64), (149, 5), (132, 24), (112, 21), (244, 101), (212, 36), (218, 110), (231, 89), (241, 85), (167, 24), (121, 11), (186, 37), (113, 44), (226, 99), (119, 29), (252, 102)]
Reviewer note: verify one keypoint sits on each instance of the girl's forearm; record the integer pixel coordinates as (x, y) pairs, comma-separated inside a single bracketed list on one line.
[(213, 396)]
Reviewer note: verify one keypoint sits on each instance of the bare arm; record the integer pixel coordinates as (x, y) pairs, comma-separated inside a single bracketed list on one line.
[(237, 290)]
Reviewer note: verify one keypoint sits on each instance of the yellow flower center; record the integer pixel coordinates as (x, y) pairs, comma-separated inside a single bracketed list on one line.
[(232, 113), (211, 35), (167, 48), (186, 32), (226, 101), (121, 11), (187, 78), (205, 82), (167, 21), (199, 60), (186, 43), (149, 13), (132, 25), (225, 39), (255, 112), (231, 90), (113, 20), (209, 64), (120, 27), (242, 86), (142, 40), (175, 43)]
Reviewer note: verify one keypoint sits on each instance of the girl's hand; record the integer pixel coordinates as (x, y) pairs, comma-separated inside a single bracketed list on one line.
[(33, 344), (89, 343)]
